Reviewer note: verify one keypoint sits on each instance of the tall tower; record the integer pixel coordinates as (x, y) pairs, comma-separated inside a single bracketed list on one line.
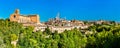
[(17, 11), (58, 16)]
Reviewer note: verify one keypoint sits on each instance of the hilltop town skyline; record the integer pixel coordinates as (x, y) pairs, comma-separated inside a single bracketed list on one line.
[(59, 23), (58, 15), (77, 9), (54, 24)]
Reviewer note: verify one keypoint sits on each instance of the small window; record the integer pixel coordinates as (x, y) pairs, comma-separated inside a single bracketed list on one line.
[(14, 16)]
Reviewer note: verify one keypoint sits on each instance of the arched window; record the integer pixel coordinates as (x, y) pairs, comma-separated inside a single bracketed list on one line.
[(14, 16)]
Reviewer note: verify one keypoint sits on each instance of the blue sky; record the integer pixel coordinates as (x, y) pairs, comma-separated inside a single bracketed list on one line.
[(71, 9)]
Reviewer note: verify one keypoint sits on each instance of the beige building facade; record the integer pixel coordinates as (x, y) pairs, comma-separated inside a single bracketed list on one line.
[(24, 19), (61, 29), (56, 24)]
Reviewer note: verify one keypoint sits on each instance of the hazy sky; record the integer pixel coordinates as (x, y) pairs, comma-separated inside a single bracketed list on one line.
[(71, 9)]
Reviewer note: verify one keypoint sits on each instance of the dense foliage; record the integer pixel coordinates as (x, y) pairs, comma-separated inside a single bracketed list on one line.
[(98, 36)]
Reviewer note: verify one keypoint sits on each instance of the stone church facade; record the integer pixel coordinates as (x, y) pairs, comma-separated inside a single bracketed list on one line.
[(26, 20)]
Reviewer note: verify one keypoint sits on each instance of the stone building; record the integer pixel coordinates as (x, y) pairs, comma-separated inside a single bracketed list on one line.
[(61, 29), (55, 24), (26, 20)]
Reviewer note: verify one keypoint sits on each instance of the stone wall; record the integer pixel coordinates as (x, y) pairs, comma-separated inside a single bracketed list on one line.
[(29, 19), (34, 19), (14, 17)]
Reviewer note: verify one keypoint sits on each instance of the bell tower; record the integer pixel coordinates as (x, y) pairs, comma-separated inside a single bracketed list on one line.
[(15, 16), (17, 11)]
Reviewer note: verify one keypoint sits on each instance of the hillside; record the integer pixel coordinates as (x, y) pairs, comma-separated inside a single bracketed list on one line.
[(14, 35)]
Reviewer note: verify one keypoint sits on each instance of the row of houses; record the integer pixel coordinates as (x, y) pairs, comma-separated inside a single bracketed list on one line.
[(55, 24)]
